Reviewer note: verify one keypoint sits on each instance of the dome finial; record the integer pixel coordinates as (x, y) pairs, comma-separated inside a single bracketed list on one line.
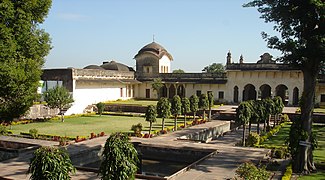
[(153, 38)]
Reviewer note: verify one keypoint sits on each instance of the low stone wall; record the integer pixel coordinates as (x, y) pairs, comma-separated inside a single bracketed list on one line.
[(208, 134), (40, 111), (125, 108)]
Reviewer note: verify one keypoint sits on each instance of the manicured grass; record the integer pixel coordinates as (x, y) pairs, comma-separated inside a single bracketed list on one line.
[(320, 175), (319, 153), (319, 110), (83, 126), (280, 138)]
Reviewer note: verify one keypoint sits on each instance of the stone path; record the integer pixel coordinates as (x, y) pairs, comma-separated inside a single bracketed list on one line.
[(219, 166)]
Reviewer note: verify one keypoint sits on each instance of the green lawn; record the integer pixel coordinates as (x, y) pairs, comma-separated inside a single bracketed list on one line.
[(83, 126), (319, 110), (319, 153), (320, 175), (280, 138)]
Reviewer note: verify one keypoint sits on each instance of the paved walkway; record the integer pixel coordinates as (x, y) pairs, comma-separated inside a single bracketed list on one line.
[(219, 166)]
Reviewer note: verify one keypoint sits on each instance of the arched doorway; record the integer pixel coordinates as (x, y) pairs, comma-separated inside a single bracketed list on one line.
[(295, 96), (249, 92), (163, 91), (265, 91), (172, 91), (236, 94), (282, 91), (181, 91)]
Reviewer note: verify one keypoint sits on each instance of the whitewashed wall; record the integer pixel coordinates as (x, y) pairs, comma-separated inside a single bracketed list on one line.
[(164, 61)]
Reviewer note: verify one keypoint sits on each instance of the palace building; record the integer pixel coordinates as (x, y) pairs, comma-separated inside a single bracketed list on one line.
[(241, 81)]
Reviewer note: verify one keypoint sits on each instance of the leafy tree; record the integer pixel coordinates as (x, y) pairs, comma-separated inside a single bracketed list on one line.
[(186, 108), (278, 104), (100, 106), (151, 115), (260, 113), (23, 47), (194, 100), (163, 110), (50, 163), (302, 29), (58, 97), (243, 115), (119, 158), (176, 108), (210, 100), (157, 85), (269, 107), (214, 68), (203, 103), (178, 71)]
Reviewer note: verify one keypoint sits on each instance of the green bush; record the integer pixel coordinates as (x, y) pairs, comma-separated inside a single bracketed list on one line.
[(249, 171), (50, 163), (285, 118), (137, 128), (3, 130), (33, 133), (253, 139), (279, 153)]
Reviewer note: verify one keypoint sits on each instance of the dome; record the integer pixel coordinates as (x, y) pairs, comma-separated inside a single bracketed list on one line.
[(155, 49), (115, 66), (93, 67)]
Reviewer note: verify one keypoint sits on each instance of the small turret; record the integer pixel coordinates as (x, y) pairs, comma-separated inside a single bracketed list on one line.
[(229, 57), (241, 59)]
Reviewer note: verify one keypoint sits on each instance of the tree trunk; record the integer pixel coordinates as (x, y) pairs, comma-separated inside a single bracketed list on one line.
[(209, 113), (175, 123), (204, 114), (304, 162), (194, 114), (150, 128), (258, 128), (244, 131), (163, 123), (249, 127), (184, 120), (264, 128)]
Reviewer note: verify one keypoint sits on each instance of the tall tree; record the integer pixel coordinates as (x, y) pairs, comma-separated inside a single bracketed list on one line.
[(151, 115), (157, 85), (301, 25), (163, 110), (278, 104), (119, 158), (243, 115), (203, 103), (211, 101), (58, 97), (214, 68), (194, 100), (186, 108), (176, 108), (23, 47)]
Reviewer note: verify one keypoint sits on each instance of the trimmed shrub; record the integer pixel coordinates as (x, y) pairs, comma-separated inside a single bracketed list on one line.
[(253, 139), (33, 133), (249, 171), (137, 128), (50, 163), (3, 130)]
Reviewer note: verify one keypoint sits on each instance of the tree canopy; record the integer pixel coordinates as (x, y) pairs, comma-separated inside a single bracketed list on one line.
[(151, 115), (214, 68), (163, 110), (178, 71), (23, 47), (58, 97), (119, 158), (301, 25), (194, 100)]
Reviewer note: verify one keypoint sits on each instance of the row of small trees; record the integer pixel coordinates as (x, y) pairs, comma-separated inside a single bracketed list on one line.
[(258, 111), (177, 106)]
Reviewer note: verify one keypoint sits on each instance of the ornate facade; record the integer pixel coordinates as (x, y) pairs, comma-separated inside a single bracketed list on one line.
[(241, 81)]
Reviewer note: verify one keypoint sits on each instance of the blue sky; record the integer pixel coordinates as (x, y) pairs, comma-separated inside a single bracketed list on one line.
[(196, 32)]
